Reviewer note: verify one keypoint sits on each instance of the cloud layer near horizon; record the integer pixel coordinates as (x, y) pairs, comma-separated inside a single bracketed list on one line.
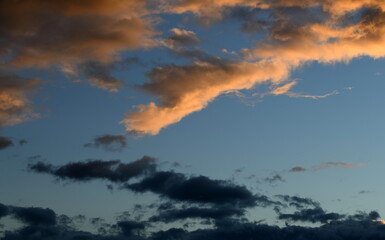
[(196, 206)]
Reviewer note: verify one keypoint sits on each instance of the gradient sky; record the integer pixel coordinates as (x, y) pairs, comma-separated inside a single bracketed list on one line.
[(184, 119)]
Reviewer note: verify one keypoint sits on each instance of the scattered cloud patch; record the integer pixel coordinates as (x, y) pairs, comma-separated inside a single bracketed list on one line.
[(109, 142)]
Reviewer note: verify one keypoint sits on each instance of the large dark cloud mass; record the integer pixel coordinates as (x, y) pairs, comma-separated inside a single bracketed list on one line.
[(217, 208)]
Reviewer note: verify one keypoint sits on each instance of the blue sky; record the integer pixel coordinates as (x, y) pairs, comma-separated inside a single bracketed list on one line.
[(290, 106)]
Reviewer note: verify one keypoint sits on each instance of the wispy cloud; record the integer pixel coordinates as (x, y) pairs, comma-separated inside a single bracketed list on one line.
[(327, 165)]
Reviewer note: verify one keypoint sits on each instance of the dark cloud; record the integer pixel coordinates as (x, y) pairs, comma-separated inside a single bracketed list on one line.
[(298, 202), (114, 170), (215, 213), (109, 142), (274, 179), (100, 74), (34, 215), (298, 169), (131, 228), (314, 215), (167, 184), (177, 186), (341, 230), (5, 143), (3, 210)]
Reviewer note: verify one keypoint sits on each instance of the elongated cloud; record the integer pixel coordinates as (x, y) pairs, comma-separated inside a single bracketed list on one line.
[(114, 170), (109, 142), (202, 82)]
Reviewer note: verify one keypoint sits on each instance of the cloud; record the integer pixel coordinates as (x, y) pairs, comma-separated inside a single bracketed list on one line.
[(298, 169), (57, 32), (169, 185), (114, 170), (109, 142), (34, 215), (285, 90), (360, 226), (5, 143), (3, 210), (201, 189), (295, 36), (273, 179), (130, 228), (216, 213), (15, 106), (327, 165), (337, 164), (202, 82), (99, 74), (298, 202), (183, 37), (311, 215)]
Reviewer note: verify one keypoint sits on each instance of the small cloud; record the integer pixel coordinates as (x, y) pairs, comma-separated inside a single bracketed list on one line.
[(364, 192), (274, 179), (337, 164), (183, 37), (23, 141), (298, 169), (113, 143), (5, 142), (378, 73), (224, 50), (285, 90)]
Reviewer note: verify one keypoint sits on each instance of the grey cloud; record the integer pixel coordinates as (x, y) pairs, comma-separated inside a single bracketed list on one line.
[(109, 142), (274, 179), (298, 169)]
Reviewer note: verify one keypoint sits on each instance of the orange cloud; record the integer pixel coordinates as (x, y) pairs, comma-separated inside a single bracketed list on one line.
[(14, 104), (202, 82), (52, 32)]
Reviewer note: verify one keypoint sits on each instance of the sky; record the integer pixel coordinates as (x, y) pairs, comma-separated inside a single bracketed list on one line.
[(192, 119)]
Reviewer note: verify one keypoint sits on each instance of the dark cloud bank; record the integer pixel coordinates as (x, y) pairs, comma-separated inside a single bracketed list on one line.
[(217, 209)]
